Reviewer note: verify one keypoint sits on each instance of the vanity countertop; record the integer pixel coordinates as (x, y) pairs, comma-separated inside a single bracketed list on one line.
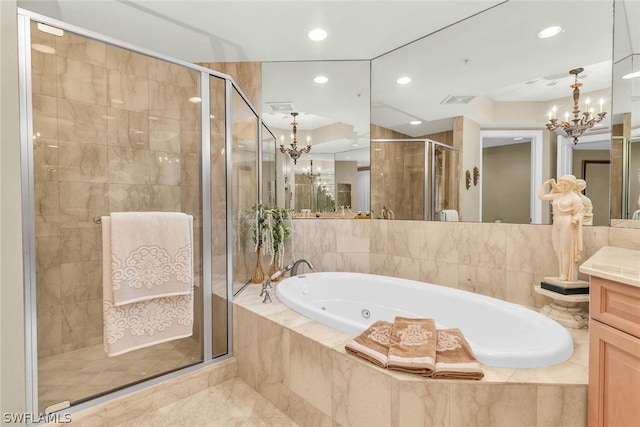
[(617, 264)]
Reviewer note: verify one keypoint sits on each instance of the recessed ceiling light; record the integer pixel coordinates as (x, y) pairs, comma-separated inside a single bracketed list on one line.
[(550, 32), (415, 122), (195, 99), (631, 75), (320, 79), (317, 34), (403, 80), (519, 138), (43, 48)]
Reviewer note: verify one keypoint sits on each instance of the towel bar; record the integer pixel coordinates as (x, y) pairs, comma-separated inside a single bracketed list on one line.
[(98, 220)]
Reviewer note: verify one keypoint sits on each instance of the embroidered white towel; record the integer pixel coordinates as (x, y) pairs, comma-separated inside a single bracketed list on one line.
[(151, 255), (449, 215), (140, 324)]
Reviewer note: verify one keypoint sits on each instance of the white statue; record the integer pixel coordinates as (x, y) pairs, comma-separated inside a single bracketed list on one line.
[(566, 232), (587, 212)]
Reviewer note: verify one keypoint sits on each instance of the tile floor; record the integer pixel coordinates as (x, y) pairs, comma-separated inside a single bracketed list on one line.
[(83, 373), (231, 403)]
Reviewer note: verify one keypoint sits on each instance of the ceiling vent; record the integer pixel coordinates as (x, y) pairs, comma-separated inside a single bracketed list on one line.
[(457, 99), (281, 107)]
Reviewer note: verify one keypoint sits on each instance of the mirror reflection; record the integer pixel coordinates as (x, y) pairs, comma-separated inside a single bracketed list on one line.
[(625, 155), (332, 102), (493, 72)]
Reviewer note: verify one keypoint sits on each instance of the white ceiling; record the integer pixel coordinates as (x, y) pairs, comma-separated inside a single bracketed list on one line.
[(268, 30), (487, 49)]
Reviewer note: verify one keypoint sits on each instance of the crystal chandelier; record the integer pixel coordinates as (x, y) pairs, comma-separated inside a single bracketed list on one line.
[(575, 127), (293, 152), (310, 174)]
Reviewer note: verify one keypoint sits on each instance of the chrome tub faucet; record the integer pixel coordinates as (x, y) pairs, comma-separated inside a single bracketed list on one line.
[(295, 265)]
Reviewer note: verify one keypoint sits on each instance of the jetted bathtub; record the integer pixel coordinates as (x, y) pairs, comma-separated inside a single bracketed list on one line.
[(500, 333)]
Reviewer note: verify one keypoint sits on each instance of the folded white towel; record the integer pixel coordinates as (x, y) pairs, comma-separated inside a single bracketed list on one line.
[(449, 215), (136, 325), (151, 255)]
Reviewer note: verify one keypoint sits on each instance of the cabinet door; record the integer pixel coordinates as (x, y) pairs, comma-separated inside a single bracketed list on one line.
[(614, 377)]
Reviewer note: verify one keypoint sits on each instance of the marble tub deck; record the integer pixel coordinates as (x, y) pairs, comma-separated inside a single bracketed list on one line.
[(311, 377)]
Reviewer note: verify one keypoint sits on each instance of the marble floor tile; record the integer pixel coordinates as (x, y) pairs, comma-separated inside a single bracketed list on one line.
[(231, 403), (88, 371)]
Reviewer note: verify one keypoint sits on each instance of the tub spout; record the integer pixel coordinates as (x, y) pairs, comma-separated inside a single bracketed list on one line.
[(294, 268)]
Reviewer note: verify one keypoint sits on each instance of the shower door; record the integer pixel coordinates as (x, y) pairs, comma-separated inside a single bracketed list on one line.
[(113, 131), (107, 127), (445, 187), (415, 178)]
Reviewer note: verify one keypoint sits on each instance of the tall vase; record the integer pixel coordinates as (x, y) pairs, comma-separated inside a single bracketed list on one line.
[(258, 274), (274, 267)]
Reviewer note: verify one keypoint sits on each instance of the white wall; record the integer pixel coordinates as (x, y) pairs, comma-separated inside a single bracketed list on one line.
[(12, 340)]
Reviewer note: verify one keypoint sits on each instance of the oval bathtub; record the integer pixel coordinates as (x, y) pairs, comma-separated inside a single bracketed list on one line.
[(501, 333)]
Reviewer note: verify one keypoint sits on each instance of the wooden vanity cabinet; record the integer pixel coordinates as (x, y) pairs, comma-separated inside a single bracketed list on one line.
[(614, 354)]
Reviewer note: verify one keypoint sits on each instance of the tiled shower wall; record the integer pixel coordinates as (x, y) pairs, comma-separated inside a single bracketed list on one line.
[(113, 131), (499, 260), (397, 175)]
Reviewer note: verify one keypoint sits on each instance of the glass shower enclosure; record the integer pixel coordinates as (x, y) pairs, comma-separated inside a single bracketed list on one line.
[(414, 178), (108, 127)]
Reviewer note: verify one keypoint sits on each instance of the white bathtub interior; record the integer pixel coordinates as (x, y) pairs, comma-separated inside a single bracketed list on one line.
[(501, 334)]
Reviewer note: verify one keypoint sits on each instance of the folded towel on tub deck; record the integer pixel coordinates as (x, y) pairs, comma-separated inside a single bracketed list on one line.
[(140, 324), (413, 345), (151, 255), (455, 358), (373, 343)]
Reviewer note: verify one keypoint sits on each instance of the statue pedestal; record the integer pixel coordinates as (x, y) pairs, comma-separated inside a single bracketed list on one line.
[(564, 309)]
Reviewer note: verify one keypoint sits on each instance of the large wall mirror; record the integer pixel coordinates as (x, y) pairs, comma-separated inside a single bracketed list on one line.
[(332, 102), (485, 85), (625, 153)]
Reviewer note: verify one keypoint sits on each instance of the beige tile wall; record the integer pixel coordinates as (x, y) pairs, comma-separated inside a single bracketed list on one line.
[(113, 131), (397, 176), (499, 260)]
